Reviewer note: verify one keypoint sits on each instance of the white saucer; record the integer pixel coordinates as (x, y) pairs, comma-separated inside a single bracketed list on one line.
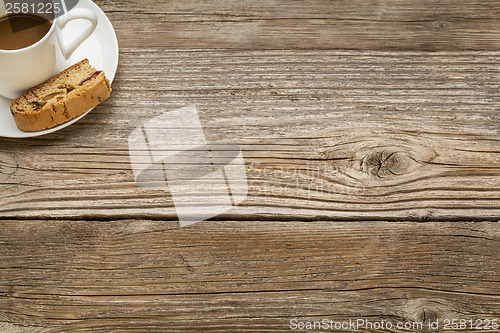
[(101, 48)]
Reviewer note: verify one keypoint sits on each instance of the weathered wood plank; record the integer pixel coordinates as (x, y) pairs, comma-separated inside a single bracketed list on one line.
[(75, 276), (326, 135), (316, 128), (320, 24)]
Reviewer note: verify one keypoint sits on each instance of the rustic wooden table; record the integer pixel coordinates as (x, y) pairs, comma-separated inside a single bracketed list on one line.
[(371, 136)]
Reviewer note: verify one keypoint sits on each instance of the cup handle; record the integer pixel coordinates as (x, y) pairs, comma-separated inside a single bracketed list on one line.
[(75, 14)]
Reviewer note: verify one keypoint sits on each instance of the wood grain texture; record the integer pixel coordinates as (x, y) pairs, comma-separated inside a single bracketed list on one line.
[(424, 25), (242, 276), (325, 135), (358, 121)]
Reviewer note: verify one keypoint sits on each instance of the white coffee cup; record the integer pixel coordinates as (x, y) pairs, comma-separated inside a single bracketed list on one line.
[(25, 68)]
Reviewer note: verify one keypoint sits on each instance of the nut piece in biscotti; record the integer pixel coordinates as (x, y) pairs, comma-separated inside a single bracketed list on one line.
[(61, 98)]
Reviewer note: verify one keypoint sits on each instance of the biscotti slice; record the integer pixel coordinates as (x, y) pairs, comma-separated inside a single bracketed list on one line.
[(65, 96)]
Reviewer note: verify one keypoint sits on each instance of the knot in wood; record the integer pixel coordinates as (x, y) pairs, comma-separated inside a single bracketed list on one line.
[(7, 166), (428, 310), (385, 163), (440, 24)]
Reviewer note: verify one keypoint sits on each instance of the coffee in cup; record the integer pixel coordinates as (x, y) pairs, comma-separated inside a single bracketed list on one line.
[(33, 48), (18, 31)]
